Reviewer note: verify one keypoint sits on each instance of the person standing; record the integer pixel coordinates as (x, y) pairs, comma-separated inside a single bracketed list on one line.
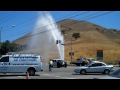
[(41, 66), (50, 65)]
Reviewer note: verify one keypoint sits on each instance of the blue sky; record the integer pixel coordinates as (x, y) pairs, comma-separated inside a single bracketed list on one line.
[(25, 21)]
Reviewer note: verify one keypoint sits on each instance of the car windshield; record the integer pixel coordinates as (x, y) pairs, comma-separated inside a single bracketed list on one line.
[(115, 73)]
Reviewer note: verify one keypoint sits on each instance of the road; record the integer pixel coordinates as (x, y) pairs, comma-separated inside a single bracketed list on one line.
[(56, 73)]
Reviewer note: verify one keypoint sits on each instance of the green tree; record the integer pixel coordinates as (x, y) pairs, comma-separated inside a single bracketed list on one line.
[(8, 46), (76, 35)]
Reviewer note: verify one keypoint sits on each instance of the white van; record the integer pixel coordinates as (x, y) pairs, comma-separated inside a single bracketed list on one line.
[(20, 63)]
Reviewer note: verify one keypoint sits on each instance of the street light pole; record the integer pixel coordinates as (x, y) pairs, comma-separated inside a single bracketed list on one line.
[(0, 36), (0, 40)]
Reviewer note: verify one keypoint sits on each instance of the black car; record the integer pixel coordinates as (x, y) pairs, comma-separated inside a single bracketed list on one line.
[(79, 62), (59, 63)]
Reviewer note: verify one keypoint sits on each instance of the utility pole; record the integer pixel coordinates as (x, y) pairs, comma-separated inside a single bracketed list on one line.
[(0, 36), (71, 50), (0, 40)]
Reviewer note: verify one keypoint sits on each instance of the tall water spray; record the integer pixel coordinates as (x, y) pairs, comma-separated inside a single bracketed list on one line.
[(44, 36)]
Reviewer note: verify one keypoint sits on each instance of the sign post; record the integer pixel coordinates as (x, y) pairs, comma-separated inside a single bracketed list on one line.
[(99, 54), (71, 54)]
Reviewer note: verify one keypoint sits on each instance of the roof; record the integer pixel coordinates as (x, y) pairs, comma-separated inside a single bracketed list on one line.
[(57, 59), (20, 55), (5, 55), (98, 62)]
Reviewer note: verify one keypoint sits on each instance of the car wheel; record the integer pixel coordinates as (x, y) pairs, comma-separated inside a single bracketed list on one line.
[(65, 66), (58, 66), (106, 71), (82, 71), (77, 64)]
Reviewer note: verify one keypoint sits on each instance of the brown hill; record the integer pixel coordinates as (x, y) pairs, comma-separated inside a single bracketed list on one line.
[(92, 38)]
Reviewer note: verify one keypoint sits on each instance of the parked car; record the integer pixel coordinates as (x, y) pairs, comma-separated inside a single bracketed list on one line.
[(83, 61), (79, 62), (95, 67), (113, 75), (59, 63)]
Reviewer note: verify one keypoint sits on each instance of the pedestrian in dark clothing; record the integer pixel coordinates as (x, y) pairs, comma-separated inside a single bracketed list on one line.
[(50, 65)]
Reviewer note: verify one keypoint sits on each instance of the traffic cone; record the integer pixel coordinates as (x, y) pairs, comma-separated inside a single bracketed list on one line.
[(27, 76)]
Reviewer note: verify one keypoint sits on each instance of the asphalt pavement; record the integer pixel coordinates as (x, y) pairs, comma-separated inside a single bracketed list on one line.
[(56, 73)]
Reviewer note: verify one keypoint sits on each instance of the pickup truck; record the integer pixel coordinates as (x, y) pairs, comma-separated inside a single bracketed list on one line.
[(79, 62)]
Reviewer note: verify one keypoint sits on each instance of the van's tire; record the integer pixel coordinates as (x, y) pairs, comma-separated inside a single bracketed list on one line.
[(31, 72)]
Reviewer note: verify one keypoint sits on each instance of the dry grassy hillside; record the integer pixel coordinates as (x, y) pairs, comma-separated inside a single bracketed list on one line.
[(89, 43), (92, 38)]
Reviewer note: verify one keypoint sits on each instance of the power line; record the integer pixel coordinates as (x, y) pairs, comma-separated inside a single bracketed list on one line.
[(29, 20), (54, 29), (74, 23), (77, 15), (32, 19), (41, 27), (69, 23), (6, 16), (54, 22), (13, 16)]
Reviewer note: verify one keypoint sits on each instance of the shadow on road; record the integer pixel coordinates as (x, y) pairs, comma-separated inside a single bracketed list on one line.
[(6, 75), (88, 74)]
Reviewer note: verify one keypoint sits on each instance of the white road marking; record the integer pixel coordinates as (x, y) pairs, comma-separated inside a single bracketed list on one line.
[(58, 76), (20, 76)]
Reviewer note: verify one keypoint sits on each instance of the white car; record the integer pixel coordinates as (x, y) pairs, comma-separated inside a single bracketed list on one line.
[(95, 67), (114, 75)]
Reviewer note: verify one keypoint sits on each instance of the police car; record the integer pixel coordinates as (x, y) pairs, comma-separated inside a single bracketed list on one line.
[(20, 63)]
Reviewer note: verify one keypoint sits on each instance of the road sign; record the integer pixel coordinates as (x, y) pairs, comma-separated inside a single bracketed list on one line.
[(58, 41), (99, 54), (71, 53)]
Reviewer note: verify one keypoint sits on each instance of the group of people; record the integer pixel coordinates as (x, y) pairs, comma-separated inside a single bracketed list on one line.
[(85, 61), (50, 65)]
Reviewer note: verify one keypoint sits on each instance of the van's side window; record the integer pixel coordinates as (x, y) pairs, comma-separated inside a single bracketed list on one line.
[(4, 59)]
